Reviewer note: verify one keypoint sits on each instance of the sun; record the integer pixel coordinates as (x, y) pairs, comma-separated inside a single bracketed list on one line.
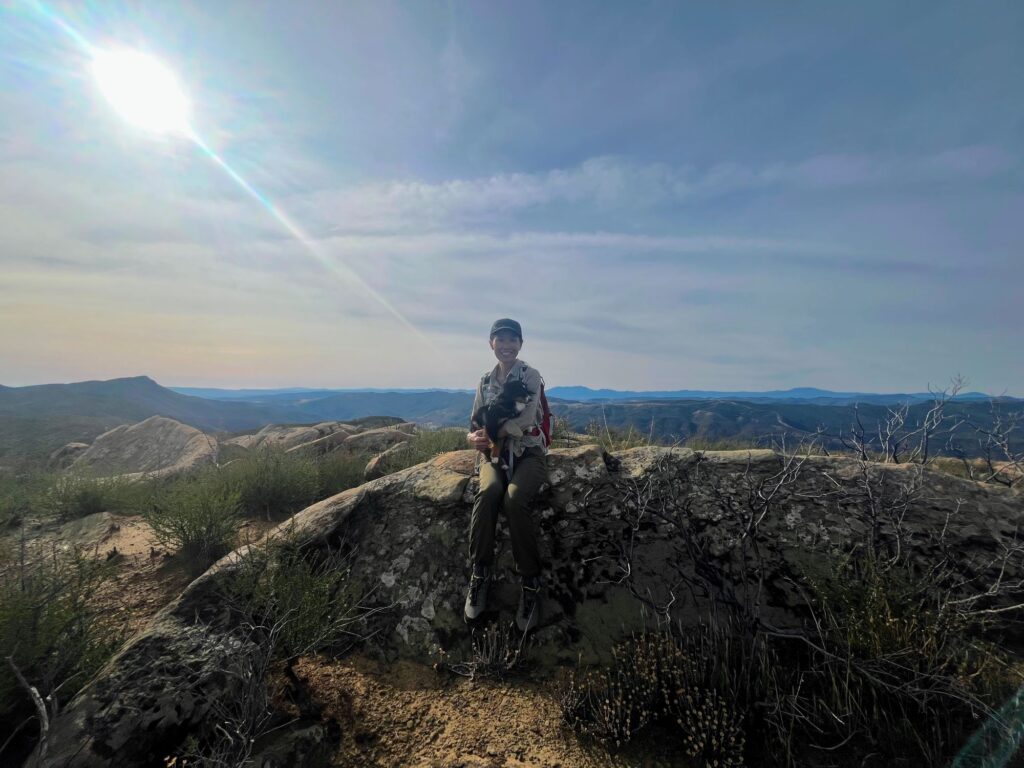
[(143, 91)]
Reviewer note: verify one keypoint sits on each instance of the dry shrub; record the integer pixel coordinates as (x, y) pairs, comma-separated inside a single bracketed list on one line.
[(496, 651), (660, 678)]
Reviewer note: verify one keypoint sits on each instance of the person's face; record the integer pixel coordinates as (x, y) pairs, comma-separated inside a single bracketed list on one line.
[(506, 346)]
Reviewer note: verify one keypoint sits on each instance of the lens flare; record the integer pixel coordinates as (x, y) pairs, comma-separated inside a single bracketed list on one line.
[(143, 91)]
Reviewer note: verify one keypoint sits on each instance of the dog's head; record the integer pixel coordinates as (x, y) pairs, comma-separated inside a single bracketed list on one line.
[(515, 392)]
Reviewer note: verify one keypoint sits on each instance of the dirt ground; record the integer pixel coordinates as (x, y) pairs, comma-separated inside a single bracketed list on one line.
[(408, 714), (146, 576)]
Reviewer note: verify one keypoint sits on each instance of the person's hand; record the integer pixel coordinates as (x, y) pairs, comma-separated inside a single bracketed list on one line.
[(478, 440)]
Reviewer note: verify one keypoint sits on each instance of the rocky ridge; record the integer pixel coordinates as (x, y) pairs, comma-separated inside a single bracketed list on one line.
[(645, 531), (161, 447)]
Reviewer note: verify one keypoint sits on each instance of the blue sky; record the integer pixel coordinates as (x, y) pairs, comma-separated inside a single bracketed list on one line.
[(702, 196)]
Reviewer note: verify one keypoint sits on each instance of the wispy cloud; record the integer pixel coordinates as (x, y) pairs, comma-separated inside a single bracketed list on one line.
[(616, 183)]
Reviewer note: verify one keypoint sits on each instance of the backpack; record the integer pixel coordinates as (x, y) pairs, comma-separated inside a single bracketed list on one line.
[(546, 417)]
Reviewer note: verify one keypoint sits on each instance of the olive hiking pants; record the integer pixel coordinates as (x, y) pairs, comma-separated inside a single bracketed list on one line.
[(529, 471)]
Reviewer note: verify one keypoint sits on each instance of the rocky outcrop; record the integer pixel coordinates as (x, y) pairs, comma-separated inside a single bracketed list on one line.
[(377, 440), (324, 444), (378, 466), (65, 456), (284, 437), (156, 447), (652, 529)]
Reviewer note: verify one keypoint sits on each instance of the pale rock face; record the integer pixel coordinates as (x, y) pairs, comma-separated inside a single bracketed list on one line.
[(335, 438), (377, 440), (64, 456), (606, 537), (156, 447), (293, 438)]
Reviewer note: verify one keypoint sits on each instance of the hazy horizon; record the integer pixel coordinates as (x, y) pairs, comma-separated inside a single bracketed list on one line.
[(667, 197), (415, 387)]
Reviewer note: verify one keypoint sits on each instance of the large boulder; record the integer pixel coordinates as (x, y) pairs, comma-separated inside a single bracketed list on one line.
[(652, 529), (156, 447)]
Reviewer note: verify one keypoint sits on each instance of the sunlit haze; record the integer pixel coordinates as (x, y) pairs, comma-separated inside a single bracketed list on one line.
[(688, 196)]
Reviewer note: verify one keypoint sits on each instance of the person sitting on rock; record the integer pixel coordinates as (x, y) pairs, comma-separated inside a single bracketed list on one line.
[(509, 490)]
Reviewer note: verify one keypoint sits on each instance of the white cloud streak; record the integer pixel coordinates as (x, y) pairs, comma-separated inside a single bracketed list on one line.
[(613, 183)]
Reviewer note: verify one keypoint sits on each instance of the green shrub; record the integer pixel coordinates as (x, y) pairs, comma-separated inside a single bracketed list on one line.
[(338, 471), (425, 445), (71, 496), (307, 599), (197, 517), (21, 496), (273, 483), (51, 628)]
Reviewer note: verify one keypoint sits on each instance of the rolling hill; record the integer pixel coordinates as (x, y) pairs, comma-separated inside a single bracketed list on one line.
[(36, 420)]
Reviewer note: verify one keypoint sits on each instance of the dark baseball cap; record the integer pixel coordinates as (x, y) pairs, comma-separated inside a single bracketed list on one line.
[(506, 324)]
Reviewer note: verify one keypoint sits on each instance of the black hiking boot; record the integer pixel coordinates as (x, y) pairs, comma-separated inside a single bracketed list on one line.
[(476, 598)]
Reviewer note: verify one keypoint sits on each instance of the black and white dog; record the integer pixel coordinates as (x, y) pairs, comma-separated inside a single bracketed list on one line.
[(507, 405)]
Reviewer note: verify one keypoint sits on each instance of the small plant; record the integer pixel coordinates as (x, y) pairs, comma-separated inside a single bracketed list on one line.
[(197, 517), (497, 651)]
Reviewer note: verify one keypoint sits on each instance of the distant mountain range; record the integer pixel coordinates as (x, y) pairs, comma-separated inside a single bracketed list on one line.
[(261, 395), (810, 395), (797, 395), (35, 420)]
